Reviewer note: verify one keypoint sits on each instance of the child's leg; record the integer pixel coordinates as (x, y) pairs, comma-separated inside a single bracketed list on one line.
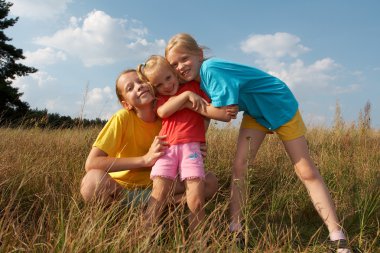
[(249, 140), (195, 201), (211, 187), (98, 185), (161, 191), (310, 177)]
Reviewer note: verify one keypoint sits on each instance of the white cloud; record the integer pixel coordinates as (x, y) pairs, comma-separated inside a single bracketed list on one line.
[(100, 39), (318, 74), (98, 103), (99, 95), (346, 89), (315, 120), (39, 79), (39, 9), (43, 57), (274, 45), (279, 54)]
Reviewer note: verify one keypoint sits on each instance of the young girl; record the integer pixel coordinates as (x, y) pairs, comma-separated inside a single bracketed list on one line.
[(269, 106), (121, 158), (185, 131)]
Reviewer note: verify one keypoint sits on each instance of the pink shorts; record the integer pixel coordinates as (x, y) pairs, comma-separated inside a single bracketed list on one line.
[(181, 160)]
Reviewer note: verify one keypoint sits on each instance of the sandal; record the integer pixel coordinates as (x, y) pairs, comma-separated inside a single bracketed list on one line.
[(340, 246)]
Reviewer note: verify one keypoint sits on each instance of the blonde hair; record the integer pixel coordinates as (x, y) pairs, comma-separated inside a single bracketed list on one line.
[(118, 91), (184, 41), (152, 65)]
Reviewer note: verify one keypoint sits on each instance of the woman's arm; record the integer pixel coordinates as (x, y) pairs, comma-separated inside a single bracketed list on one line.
[(179, 102), (98, 159)]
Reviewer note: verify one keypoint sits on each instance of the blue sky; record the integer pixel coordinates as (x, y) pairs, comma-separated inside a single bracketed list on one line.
[(326, 51)]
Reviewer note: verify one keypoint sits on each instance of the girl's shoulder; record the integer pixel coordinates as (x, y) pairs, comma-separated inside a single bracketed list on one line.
[(218, 63)]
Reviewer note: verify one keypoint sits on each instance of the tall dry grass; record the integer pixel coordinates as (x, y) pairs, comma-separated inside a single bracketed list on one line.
[(41, 209)]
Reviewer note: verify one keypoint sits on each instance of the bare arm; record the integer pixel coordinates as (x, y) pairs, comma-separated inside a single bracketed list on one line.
[(176, 103), (225, 113), (98, 159)]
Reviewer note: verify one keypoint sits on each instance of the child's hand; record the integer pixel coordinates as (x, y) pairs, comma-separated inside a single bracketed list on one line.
[(156, 150), (232, 110), (198, 103)]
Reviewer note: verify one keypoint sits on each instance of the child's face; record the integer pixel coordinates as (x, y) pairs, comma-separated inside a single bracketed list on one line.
[(186, 64), (164, 81), (136, 93)]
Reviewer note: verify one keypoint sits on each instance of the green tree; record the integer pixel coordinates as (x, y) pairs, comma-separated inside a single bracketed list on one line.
[(11, 107)]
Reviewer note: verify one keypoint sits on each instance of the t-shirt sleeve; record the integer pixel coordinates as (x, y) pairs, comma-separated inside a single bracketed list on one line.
[(109, 138), (219, 85)]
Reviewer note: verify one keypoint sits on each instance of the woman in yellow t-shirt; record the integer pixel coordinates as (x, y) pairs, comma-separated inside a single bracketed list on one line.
[(127, 147)]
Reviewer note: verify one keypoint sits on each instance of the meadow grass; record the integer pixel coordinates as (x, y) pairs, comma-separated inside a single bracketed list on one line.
[(41, 209)]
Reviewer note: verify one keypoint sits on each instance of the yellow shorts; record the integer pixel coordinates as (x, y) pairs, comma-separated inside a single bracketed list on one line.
[(289, 131)]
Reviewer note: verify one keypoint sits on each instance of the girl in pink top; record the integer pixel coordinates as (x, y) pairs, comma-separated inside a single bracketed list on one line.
[(180, 107)]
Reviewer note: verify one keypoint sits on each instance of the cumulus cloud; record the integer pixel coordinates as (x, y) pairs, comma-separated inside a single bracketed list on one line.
[(39, 9), (100, 39), (99, 103), (43, 57), (99, 95), (296, 73), (39, 79), (280, 55), (274, 45)]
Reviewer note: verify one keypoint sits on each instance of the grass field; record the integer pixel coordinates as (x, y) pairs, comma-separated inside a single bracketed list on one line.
[(41, 209)]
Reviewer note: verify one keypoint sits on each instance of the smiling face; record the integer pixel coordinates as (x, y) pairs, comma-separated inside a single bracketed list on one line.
[(164, 80), (186, 64), (133, 91)]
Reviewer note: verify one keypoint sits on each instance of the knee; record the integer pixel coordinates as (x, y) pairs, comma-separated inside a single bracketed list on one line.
[(195, 202), (87, 189), (160, 193), (307, 172), (94, 184)]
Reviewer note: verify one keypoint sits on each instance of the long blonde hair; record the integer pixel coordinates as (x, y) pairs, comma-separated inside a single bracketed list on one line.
[(184, 41)]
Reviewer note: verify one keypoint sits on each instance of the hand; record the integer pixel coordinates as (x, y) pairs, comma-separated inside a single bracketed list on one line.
[(203, 149), (198, 103), (232, 110), (157, 149)]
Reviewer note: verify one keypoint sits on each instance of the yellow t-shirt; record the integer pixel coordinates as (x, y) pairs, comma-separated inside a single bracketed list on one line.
[(126, 135)]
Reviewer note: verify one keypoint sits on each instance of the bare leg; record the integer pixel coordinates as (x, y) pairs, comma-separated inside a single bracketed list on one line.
[(248, 140), (210, 188), (98, 185), (310, 177), (160, 194), (195, 193)]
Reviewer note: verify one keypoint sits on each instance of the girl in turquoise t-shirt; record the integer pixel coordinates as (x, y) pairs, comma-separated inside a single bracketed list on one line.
[(269, 106)]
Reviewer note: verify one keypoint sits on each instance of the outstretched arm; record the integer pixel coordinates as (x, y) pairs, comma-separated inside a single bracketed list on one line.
[(176, 103), (98, 159), (225, 113)]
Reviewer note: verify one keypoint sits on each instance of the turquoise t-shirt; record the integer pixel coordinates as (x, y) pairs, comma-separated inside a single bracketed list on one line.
[(261, 95)]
